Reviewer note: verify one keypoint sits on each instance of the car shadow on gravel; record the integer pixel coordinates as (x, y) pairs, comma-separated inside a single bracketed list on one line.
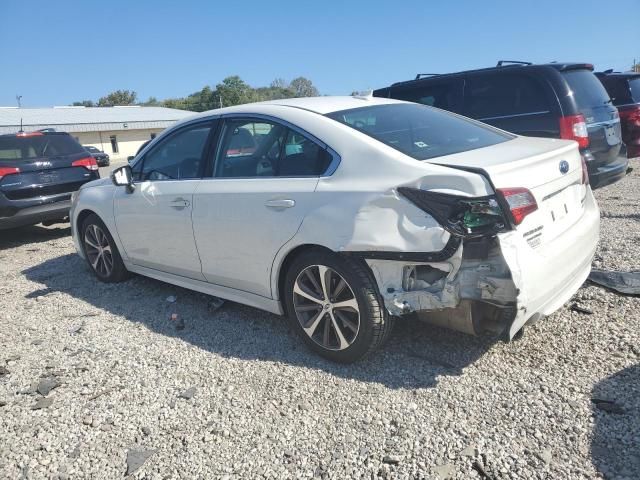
[(415, 356), (33, 234), (615, 445)]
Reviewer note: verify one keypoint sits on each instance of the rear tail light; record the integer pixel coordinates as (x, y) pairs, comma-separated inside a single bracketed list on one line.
[(89, 163), (467, 217), (630, 117), (521, 202), (29, 134), (574, 127), (4, 171), (585, 172)]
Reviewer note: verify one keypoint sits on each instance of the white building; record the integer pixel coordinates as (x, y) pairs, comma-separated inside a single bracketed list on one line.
[(118, 131)]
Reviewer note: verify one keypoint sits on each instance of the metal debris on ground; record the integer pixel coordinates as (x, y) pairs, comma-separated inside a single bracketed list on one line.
[(136, 458), (47, 384), (623, 282), (215, 304), (188, 393), (577, 308), (609, 406)]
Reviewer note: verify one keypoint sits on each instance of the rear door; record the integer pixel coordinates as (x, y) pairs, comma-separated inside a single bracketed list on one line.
[(518, 102), (603, 122), (262, 186), (43, 165)]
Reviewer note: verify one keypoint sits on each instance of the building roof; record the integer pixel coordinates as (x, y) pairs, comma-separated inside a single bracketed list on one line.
[(88, 119)]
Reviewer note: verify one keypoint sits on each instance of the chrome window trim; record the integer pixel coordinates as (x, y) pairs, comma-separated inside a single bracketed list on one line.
[(514, 115)]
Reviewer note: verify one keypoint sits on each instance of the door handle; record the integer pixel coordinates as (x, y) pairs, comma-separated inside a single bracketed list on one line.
[(180, 203), (280, 204)]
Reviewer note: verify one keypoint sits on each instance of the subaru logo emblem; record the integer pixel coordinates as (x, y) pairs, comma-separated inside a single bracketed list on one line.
[(564, 167)]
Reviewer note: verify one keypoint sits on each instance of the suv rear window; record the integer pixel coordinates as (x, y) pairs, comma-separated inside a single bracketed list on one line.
[(13, 147), (419, 131), (587, 90)]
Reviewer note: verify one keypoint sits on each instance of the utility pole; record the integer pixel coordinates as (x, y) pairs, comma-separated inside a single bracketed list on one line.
[(19, 97)]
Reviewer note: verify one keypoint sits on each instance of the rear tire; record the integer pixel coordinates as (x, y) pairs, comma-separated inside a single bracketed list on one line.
[(334, 305), (101, 252)]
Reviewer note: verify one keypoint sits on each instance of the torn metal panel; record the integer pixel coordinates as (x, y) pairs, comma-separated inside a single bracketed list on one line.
[(444, 291)]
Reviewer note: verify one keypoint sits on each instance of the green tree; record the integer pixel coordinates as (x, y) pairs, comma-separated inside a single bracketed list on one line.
[(119, 97), (84, 103), (303, 87), (234, 91), (151, 102)]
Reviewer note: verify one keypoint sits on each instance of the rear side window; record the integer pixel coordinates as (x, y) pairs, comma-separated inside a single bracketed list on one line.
[(439, 96), (419, 131), (494, 96), (586, 89), (13, 147), (634, 86)]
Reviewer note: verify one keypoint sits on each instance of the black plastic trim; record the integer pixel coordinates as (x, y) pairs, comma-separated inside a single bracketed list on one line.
[(447, 252)]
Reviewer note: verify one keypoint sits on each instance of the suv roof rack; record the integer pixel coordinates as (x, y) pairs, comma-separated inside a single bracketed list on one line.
[(420, 75), (512, 62)]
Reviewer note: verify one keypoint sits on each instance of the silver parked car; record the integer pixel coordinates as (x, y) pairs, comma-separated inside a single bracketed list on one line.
[(345, 213)]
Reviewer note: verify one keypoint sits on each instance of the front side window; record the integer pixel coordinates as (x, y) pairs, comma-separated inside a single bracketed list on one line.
[(177, 157), (419, 131), (260, 148)]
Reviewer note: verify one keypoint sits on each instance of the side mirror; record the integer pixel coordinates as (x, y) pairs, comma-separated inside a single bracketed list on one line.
[(130, 158), (123, 177)]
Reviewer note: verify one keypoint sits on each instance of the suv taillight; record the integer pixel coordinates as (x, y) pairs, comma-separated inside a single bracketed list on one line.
[(89, 163), (574, 127), (521, 202), (630, 117), (4, 171)]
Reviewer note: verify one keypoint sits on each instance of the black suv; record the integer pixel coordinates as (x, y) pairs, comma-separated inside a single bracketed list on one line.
[(556, 100), (101, 157), (38, 173), (624, 89)]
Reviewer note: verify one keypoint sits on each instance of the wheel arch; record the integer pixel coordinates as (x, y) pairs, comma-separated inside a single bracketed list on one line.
[(286, 262)]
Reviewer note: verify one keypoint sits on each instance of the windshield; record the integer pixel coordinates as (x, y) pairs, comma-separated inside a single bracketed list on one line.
[(93, 149), (419, 131), (587, 90), (13, 147), (634, 86)]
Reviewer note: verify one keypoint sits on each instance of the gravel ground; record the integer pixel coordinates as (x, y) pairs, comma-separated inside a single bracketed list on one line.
[(97, 381)]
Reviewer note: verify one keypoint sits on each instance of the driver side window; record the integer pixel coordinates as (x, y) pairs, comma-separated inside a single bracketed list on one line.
[(178, 157)]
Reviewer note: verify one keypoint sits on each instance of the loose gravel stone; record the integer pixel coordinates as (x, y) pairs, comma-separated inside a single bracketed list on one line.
[(46, 385), (266, 407)]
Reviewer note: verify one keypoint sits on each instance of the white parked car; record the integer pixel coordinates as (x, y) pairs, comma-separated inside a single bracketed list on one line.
[(345, 213)]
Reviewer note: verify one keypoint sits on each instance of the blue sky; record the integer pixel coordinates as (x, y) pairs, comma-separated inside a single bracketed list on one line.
[(55, 52)]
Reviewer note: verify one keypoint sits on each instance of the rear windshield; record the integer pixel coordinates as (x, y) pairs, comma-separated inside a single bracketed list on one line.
[(587, 90), (419, 131), (634, 86), (37, 146)]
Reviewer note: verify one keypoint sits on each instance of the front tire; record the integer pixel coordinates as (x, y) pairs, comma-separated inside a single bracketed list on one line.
[(101, 251), (334, 305)]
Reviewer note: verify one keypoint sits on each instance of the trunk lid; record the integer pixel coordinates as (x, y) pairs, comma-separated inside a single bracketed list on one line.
[(550, 169)]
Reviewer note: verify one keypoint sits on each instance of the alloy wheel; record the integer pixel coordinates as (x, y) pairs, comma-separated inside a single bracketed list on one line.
[(98, 250), (326, 307)]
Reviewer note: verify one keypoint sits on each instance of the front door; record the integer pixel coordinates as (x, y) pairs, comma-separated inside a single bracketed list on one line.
[(154, 221), (263, 184)]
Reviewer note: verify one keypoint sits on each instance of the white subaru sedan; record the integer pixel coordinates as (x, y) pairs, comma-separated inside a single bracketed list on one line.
[(348, 213)]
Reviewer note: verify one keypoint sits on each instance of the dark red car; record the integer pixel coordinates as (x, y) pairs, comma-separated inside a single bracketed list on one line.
[(624, 90)]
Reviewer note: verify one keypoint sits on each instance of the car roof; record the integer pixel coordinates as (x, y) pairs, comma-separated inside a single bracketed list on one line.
[(321, 105), (609, 73), (503, 65)]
